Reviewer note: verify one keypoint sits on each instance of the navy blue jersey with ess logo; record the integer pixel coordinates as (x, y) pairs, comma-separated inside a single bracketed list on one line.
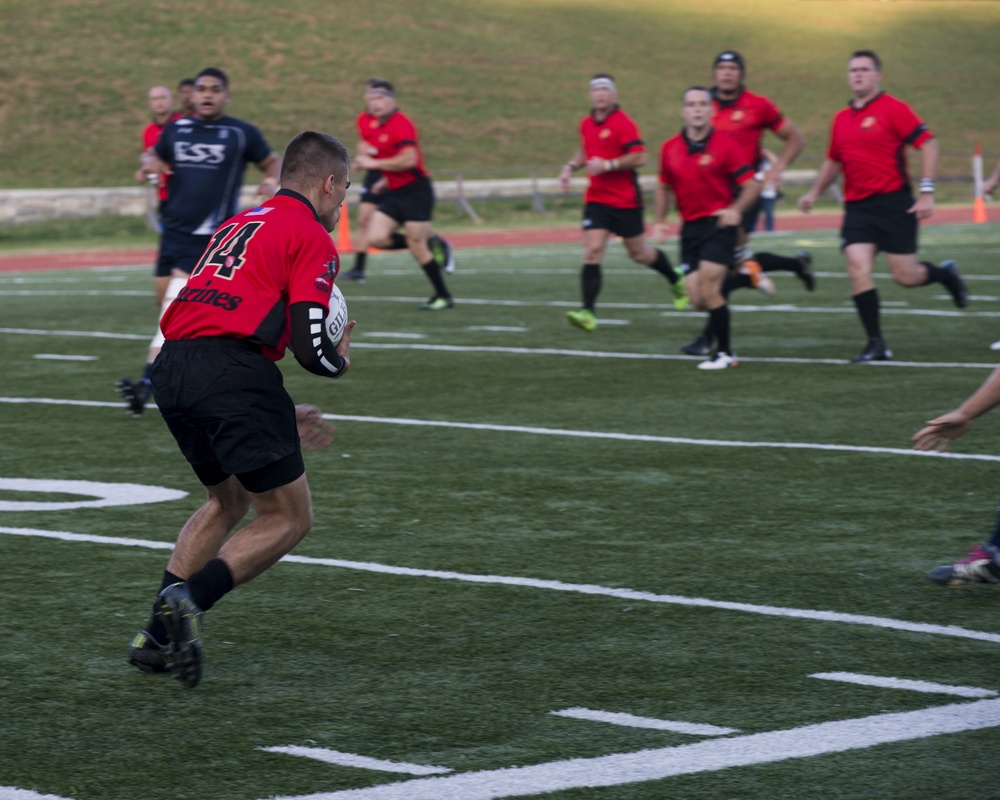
[(208, 161)]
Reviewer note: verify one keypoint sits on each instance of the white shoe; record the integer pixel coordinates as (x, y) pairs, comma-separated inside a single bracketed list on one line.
[(720, 361), (995, 346)]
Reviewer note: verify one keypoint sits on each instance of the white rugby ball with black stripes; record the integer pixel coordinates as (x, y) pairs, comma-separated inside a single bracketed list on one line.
[(336, 317)]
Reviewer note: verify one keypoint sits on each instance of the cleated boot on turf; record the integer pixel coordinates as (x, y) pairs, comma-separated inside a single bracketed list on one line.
[(356, 275), (877, 350), (437, 304), (583, 319), (181, 616), (679, 291), (443, 253), (807, 276), (720, 361), (146, 654), (701, 346), (980, 566), (135, 393), (954, 284)]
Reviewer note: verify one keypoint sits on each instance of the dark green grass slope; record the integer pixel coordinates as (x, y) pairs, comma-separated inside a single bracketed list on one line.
[(493, 86)]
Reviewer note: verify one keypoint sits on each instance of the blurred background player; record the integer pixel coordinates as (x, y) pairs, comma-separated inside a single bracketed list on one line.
[(744, 117), (867, 142), (611, 150), (390, 144), (700, 169), (205, 156), (374, 184), (161, 106), (185, 96)]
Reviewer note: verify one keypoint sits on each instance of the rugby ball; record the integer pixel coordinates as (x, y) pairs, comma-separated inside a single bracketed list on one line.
[(336, 317)]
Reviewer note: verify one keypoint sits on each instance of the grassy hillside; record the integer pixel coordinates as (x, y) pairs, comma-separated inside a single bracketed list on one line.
[(494, 86)]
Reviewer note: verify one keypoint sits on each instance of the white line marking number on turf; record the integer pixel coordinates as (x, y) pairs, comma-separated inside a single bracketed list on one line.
[(106, 494)]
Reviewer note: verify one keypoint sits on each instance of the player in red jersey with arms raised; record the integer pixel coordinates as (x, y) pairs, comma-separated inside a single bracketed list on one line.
[(867, 143), (611, 149), (744, 117), (262, 285), (393, 147), (700, 168)]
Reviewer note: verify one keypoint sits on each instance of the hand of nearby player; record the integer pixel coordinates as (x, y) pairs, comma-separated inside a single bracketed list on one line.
[(728, 217), (924, 205), (314, 431), (807, 201), (941, 431), (344, 346), (565, 175), (365, 161), (988, 186), (660, 231), (598, 166)]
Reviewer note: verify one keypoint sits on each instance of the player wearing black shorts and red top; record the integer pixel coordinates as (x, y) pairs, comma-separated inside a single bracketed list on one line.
[(370, 130), (205, 156), (611, 149), (700, 168), (868, 140), (744, 117), (393, 147), (262, 285)]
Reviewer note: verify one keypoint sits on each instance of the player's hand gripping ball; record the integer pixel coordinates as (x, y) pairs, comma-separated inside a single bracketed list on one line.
[(336, 317)]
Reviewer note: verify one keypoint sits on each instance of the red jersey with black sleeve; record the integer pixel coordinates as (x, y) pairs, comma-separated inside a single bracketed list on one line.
[(389, 137), (703, 174), (612, 137), (150, 136), (870, 142), (744, 120), (257, 265)]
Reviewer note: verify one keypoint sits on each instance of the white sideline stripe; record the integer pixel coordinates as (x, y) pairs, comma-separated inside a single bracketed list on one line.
[(688, 759), (550, 351), (622, 437), (632, 721), (901, 683), (89, 334), (13, 793), (351, 760), (58, 357), (560, 586)]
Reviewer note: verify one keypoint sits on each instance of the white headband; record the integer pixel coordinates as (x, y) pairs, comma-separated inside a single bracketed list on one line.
[(603, 83)]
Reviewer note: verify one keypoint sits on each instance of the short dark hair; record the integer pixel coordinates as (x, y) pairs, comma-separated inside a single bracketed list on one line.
[(730, 57), (695, 88), (598, 75), (185, 82), (310, 157), (868, 54), (379, 83), (213, 72)]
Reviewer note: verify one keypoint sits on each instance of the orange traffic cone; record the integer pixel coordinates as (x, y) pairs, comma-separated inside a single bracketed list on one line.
[(979, 210), (344, 230)]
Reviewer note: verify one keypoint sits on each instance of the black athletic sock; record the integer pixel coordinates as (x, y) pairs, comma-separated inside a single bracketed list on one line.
[(769, 262), (719, 318), (590, 284), (664, 267), (397, 242), (155, 627), (359, 261), (868, 307), (995, 538), (210, 583), (934, 273), (736, 280), (433, 272)]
